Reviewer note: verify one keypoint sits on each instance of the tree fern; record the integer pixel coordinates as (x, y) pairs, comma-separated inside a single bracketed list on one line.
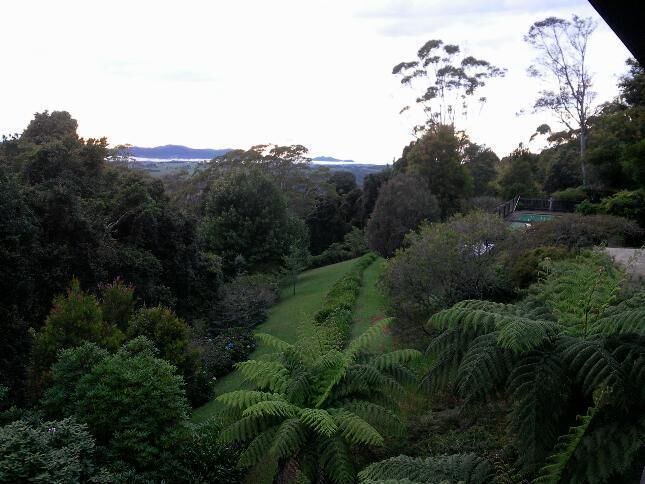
[(319, 420), (593, 365), (288, 438), (430, 470), (271, 408), (536, 382), (309, 409), (335, 460), (567, 445), (356, 430), (257, 449), (273, 342), (241, 399), (266, 375), (484, 368)]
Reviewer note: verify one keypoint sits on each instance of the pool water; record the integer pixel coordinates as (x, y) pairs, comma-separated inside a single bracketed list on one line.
[(533, 217)]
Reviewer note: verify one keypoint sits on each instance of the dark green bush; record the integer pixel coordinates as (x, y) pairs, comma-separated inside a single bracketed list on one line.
[(577, 231), (575, 195), (525, 269), (196, 455), (245, 301), (626, 204), (54, 451), (353, 245), (221, 352)]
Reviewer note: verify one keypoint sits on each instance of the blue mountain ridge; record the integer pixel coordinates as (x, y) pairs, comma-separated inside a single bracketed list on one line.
[(179, 152)]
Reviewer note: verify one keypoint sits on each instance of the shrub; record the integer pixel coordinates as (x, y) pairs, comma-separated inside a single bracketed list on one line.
[(219, 353), (525, 269), (131, 401), (172, 336), (587, 207), (443, 264), (198, 456), (352, 246), (577, 231), (626, 204), (575, 195), (245, 301), (54, 451)]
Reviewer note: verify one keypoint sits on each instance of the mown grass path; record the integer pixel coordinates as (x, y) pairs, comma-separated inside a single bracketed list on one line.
[(290, 315)]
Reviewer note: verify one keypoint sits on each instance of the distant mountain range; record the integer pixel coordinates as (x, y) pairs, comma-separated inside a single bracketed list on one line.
[(331, 159), (168, 159), (176, 152), (179, 152)]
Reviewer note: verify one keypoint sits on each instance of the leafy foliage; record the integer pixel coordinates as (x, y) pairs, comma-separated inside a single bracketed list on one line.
[(429, 470), (311, 407), (51, 451), (568, 342)]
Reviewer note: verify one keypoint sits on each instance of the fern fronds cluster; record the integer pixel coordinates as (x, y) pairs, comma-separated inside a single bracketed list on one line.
[(308, 412), (551, 356), (447, 469)]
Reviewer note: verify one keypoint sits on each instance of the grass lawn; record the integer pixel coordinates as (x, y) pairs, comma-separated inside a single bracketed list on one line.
[(370, 306), (290, 315)]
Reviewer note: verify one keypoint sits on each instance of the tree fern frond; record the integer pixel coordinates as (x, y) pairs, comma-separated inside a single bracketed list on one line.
[(473, 321), (447, 469), (564, 450), (402, 374), (593, 365), (376, 415), (608, 450), (364, 340), (335, 460), (273, 342), (521, 335), (269, 375), (397, 357), (319, 420), (244, 429), (258, 447), (289, 437), (625, 322), (356, 430), (241, 399), (483, 369), (271, 408), (536, 382), (334, 367)]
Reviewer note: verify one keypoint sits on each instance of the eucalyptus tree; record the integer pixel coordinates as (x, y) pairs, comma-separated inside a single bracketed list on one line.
[(562, 60), (449, 80)]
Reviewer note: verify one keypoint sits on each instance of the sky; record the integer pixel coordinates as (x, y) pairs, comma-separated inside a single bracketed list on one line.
[(232, 74)]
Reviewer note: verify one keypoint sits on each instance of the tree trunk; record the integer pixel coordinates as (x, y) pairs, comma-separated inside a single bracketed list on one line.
[(583, 147)]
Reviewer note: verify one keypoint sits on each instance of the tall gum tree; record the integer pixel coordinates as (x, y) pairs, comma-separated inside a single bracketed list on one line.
[(562, 62)]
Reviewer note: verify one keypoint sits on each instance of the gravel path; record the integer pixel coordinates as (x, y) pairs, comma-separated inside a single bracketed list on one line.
[(632, 259)]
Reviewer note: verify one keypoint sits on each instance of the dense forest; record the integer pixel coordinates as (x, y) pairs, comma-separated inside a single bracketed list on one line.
[(507, 355)]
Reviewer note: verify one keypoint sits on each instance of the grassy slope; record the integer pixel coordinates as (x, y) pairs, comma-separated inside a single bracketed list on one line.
[(292, 313)]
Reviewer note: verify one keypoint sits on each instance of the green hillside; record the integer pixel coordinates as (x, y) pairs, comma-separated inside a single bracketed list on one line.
[(291, 316)]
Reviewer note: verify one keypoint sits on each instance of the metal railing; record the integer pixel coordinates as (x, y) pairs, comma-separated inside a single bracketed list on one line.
[(546, 205), (507, 208)]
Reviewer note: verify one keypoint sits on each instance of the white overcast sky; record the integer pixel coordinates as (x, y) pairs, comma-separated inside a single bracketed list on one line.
[(215, 74)]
